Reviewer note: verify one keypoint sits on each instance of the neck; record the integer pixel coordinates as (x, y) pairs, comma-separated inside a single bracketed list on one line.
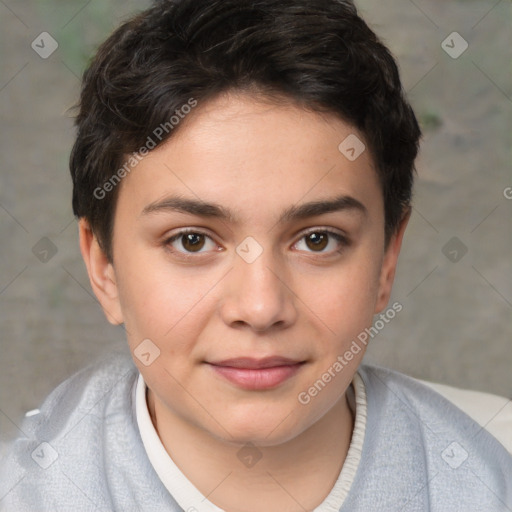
[(288, 477)]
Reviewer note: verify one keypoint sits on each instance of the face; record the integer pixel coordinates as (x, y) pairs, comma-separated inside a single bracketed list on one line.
[(247, 235)]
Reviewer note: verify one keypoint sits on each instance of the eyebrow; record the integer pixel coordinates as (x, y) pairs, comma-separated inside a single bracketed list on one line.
[(295, 212)]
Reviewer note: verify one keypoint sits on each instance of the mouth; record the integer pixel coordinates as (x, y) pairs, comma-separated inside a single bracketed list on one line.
[(251, 363), (257, 374)]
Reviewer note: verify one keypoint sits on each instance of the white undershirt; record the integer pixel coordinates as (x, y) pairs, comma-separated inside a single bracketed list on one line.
[(492, 412), (189, 498)]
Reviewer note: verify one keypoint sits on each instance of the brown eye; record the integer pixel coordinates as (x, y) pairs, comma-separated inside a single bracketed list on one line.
[(317, 241), (192, 241)]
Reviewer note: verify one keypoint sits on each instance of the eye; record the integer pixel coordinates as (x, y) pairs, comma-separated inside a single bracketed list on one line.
[(318, 239), (191, 242)]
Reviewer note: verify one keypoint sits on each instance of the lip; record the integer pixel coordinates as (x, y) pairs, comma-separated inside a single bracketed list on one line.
[(257, 374), (251, 363)]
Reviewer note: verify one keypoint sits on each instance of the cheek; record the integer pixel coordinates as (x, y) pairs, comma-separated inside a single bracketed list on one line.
[(346, 298), (160, 301)]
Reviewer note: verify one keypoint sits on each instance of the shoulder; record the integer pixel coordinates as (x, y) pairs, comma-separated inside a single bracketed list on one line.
[(98, 389), (419, 446), (66, 440), (491, 412)]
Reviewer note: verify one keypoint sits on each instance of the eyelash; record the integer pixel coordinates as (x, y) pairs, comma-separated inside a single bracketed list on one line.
[(341, 239)]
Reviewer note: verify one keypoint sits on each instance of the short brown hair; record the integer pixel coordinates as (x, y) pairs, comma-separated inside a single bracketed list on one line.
[(317, 53)]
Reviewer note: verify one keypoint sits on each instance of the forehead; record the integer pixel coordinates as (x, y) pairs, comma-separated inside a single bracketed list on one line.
[(242, 150)]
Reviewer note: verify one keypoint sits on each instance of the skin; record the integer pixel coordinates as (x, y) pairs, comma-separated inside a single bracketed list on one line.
[(297, 299)]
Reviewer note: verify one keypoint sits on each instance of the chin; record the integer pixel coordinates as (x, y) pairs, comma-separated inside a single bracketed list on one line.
[(258, 430)]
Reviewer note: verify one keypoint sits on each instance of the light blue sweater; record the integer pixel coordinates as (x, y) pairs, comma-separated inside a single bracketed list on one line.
[(420, 452)]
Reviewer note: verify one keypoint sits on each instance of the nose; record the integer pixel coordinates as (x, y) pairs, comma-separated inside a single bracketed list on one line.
[(258, 295)]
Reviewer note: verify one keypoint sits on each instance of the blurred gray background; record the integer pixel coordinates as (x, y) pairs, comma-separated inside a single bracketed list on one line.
[(454, 277)]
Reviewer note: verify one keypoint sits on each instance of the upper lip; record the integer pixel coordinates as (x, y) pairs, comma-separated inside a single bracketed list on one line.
[(253, 363)]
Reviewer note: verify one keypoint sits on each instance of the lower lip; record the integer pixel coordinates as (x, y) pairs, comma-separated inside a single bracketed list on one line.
[(256, 379)]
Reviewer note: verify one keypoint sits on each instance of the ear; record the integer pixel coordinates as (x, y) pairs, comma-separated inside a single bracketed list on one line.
[(387, 273), (101, 273)]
